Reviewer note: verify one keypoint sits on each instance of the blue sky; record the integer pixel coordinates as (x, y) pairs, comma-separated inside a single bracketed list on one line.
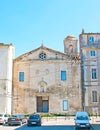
[(25, 23)]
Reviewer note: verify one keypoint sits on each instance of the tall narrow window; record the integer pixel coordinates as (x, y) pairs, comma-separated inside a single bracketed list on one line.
[(94, 75), (92, 53), (63, 75), (94, 96), (65, 105), (21, 76)]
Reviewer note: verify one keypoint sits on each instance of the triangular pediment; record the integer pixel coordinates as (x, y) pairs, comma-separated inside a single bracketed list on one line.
[(38, 53)]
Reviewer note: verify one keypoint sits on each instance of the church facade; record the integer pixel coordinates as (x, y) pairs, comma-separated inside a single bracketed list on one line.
[(48, 81)]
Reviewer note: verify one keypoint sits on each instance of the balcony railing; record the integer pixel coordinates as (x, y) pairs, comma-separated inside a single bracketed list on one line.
[(92, 45)]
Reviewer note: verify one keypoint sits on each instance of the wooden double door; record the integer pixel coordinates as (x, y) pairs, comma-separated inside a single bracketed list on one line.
[(42, 104)]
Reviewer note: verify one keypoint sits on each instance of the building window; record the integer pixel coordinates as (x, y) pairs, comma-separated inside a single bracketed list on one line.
[(92, 53), (94, 96), (91, 39), (42, 56), (94, 74), (21, 76), (65, 105), (63, 75)]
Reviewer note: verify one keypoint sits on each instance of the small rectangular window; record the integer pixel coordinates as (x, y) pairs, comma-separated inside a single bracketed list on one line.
[(94, 96), (63, 75), (92, 53), (21, 76), (65, 105), (91, 39), (94, 74)]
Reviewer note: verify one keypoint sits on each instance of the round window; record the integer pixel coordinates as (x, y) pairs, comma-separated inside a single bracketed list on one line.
[(42, 56)]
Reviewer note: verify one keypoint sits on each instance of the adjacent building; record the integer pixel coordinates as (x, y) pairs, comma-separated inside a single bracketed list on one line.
[(6, 65), (90, 58), (48, 81)]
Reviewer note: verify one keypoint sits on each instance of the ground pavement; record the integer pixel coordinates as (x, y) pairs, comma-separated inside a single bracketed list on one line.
[(66, 120)]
